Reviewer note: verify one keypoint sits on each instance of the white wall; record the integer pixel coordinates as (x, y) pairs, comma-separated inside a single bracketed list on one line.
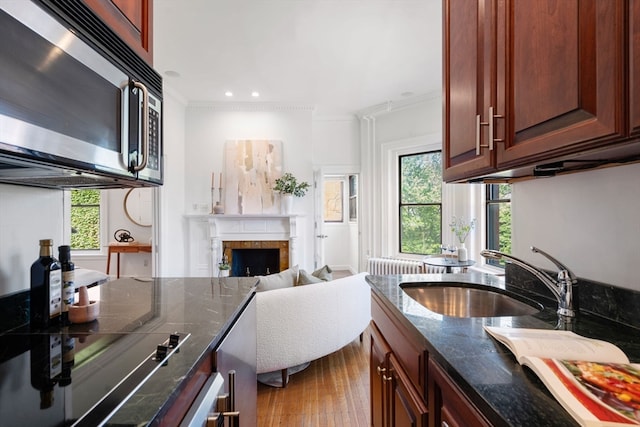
[(171, 231), (26, 216), (386, 133), (590, 221), (209, 126), (335, 141)]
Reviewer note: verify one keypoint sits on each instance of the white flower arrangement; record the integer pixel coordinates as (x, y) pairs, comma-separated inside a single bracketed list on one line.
[(461, 227)]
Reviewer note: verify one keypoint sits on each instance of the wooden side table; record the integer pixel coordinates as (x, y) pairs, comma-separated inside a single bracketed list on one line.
[(119, 248)]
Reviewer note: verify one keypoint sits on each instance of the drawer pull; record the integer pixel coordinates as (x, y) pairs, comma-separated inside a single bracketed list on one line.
[(380, 370)]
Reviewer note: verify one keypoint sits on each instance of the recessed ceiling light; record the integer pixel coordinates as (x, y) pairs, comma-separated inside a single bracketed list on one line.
[(255, 94), (228, 94)]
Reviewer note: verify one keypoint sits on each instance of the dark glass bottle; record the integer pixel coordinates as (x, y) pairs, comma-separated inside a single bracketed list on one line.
[(46, 365), (68, 356), (68, 278), (46, 288)]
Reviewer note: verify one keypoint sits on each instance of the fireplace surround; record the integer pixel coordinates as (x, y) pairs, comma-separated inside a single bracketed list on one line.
[(251, 258), (210, 237)]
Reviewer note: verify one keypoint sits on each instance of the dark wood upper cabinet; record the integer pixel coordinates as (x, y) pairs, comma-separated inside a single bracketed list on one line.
[(469, 85), (132, 20), (563, 77), (528, 81), (634, 64)]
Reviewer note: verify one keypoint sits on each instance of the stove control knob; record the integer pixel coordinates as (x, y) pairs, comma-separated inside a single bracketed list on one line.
[(174, 339)]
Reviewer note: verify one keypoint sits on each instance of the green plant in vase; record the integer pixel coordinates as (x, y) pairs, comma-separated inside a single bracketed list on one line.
[(288, 184), (288, 187), (461, 228)]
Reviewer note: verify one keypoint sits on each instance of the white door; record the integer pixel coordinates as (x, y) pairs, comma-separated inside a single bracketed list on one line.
[(337, 234), (318, 220)]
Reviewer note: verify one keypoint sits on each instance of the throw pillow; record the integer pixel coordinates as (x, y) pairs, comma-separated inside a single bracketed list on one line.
[(305, 278), (284, 279), (323, 273)]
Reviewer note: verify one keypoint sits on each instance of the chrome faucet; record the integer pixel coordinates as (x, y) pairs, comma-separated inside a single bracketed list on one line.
[(564, 288)]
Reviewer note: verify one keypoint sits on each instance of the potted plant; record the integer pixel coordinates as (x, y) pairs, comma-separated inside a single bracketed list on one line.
[(461, 228), (224, 267), (288, 187)]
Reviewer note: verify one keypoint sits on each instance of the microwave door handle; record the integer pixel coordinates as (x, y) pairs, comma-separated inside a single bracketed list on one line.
[(145, 126)]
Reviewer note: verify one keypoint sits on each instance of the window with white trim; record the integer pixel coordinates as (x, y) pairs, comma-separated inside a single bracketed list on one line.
[(420, 207)]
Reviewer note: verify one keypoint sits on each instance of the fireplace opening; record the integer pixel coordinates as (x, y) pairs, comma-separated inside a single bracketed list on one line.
[(255, 262)]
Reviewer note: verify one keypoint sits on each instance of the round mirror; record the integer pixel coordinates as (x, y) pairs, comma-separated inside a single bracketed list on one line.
[(138, 206)]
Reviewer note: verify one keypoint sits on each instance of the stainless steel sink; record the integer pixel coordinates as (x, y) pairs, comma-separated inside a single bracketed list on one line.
[(464, 301)]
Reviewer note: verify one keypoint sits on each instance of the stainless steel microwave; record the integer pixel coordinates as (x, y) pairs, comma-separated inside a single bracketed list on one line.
[(78, 108)]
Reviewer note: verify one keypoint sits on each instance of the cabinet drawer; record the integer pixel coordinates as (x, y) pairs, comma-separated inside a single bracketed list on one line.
[(448, 405), (412, 357)]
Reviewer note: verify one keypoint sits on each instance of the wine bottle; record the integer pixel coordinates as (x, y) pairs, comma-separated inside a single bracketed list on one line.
[(68, 278), (46, 288)]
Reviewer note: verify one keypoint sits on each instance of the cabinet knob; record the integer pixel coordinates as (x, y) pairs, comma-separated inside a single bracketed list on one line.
[(387, 378), (380, 370)]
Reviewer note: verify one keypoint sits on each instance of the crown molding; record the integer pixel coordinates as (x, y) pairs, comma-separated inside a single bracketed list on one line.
[(398, 105), (250, 106)]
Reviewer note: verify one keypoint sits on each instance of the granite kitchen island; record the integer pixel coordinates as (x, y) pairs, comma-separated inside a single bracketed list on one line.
[(135, 317)]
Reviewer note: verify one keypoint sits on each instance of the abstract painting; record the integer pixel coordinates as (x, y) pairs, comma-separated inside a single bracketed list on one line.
[(251, 167)]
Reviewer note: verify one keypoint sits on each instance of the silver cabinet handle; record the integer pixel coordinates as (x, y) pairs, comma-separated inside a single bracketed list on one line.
[(226, 406), (145, 127), (492, 118), (479, 124), (380, 370)]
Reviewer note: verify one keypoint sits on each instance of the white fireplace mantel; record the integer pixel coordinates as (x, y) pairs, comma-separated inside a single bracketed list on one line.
[(207, 232)]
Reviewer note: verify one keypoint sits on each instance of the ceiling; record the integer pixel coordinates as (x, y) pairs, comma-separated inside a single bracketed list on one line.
[(339, 56)]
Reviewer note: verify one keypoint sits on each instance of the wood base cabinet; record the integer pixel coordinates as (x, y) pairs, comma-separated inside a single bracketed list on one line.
[(449, 407), (395, 402), (397, 372), (236, 352)]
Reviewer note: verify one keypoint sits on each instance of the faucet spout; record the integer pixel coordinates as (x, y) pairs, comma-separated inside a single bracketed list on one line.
[(564, 288)]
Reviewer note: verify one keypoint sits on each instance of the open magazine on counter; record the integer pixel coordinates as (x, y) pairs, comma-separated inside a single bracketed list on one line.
[(592, 379)]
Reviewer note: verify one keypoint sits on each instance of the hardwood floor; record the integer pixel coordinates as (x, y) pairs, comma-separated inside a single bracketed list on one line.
[(332, 391)]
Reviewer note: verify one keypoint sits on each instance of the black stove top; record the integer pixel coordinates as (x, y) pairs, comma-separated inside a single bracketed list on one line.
[(79, 378), (81, 374)]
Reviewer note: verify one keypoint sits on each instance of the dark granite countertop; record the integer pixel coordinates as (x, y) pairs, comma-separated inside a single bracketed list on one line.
[(131, 312), (505, 392)]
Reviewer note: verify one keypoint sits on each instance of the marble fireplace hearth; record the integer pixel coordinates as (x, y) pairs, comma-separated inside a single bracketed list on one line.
[(211, 236)]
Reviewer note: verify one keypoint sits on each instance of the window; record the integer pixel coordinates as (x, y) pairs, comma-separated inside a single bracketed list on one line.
[(333, 196), (85, 220), (498, 219), (420, 207), (353, 198)]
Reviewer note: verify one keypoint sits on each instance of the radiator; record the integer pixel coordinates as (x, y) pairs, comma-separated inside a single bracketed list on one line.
[(382, 266)]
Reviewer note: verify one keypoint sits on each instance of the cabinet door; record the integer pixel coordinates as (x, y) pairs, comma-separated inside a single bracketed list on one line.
[(449, 407), (132, 20), (561, 68), (634, 66), (238, 352), (407, 407), (378, 375), (469, 86)]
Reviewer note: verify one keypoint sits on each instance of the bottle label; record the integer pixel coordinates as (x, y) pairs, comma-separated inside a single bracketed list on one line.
[(68, 289), (55, 293), (55, 355)]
